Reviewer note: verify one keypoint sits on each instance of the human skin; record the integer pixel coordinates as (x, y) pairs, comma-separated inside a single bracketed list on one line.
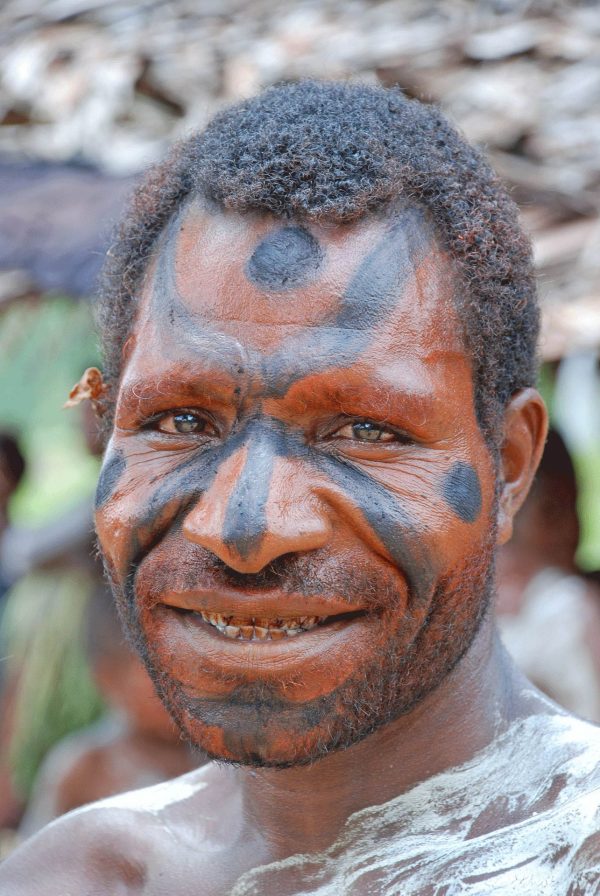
[(277, 506), (311, 520)]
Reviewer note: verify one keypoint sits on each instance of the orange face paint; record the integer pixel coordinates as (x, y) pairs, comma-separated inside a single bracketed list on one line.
[(289, 449)]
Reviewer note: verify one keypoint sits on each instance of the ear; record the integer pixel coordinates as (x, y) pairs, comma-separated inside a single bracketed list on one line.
[(525, 429)]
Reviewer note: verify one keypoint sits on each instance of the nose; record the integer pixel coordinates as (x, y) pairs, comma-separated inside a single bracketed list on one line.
[(258, 507)]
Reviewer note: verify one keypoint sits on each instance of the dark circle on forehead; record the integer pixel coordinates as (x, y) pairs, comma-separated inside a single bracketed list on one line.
[(462, 491), (285, 259)]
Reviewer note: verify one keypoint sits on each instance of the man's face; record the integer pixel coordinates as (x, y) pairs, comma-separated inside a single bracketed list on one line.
[(296, 503)]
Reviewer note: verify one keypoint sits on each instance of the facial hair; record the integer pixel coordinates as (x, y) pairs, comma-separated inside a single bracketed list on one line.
[(398, 677)]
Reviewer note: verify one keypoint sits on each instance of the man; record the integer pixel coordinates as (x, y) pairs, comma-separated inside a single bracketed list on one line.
[(320, 332)]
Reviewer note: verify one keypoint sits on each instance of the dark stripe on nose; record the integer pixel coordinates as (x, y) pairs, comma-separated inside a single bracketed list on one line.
[(245, 520)]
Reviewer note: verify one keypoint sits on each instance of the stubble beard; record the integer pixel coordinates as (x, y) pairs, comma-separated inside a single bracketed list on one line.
[(399, 677)]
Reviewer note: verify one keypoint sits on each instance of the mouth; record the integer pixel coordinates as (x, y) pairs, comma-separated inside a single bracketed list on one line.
[(255, 628), (208, 638)]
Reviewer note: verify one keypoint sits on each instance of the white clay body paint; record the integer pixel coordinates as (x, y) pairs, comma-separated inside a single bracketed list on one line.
[(439, 838), (152, 799)]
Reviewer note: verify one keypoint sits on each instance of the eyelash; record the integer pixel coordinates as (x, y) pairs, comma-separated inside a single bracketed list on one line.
[(399, 437), (152, 423)]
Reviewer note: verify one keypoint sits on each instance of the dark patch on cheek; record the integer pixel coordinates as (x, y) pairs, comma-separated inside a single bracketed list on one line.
[(462, 491), (285, 259), (112, 470)]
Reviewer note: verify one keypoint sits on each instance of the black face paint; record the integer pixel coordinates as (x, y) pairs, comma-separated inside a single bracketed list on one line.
[(245, 518), (113, 468), (341, 338), (172, 314), (462, 491), (388, 520), (166, 301), (177, 492), (370, 297), (285, 259), (245, 521)]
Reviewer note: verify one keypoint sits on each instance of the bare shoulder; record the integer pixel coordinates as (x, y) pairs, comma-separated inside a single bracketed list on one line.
[(79, 853), (120, 844)]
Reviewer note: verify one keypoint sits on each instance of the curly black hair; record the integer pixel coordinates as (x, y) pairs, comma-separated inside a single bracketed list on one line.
[(322, 151)]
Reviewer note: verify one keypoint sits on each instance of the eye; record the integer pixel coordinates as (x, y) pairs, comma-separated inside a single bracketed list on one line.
[(184, 423), (365, 431)]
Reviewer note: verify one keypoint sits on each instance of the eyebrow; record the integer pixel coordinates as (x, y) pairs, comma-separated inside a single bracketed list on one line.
[(334, 388), (214, 381), (421, 412)]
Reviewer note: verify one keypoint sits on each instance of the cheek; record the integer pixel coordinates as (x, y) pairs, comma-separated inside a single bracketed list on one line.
[(115, 524), (440, 507), (111, 474), (138, 494), (111, 493)]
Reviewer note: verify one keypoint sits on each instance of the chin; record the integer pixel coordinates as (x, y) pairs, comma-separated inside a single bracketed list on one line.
[(260, 730), (257, 728)]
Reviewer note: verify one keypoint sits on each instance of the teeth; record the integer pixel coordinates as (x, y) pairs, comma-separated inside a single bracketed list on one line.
[(250, 628), (215, 618)]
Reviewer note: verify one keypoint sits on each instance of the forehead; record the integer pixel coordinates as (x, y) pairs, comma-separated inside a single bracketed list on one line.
[(259, 285)]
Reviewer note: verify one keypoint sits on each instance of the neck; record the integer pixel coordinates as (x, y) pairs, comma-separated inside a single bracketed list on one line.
[(303, 809)]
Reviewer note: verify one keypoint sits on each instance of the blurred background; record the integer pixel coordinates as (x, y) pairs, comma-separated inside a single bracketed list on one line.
[(93, 92)]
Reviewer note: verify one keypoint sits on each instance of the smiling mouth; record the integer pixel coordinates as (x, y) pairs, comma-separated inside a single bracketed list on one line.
[(252, 628)]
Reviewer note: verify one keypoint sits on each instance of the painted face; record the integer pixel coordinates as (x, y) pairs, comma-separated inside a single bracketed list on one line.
[(295, 503)]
